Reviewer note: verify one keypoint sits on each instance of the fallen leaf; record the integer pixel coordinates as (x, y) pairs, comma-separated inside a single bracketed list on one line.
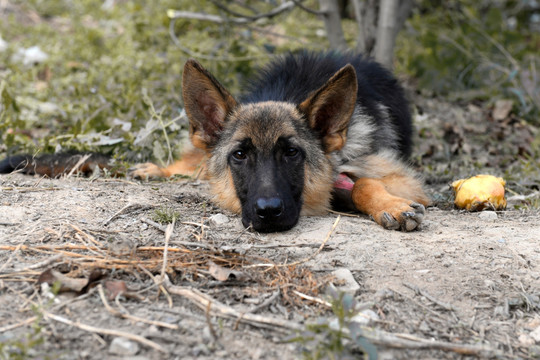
[(223, 274), (115, 288), (78, 285), (66, 283), (502, 109)]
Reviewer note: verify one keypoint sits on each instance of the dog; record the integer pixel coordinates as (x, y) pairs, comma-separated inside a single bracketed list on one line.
[(311, 130)]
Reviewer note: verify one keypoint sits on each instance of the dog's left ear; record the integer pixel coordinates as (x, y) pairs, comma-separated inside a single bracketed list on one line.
[(329, 109), (207, 105)]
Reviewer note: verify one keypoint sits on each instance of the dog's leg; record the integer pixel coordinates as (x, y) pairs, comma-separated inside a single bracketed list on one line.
[(372, 197), (390, 194), (191, 163)]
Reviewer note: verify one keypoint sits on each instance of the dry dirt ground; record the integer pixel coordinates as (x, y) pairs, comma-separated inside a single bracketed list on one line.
[(463, 283)]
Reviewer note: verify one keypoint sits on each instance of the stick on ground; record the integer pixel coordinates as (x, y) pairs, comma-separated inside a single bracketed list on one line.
[(96, 330)]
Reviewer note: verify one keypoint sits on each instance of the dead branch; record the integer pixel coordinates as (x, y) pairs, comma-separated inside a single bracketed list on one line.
[(278, 10), (378, 337), (96, 330), (130, 207), (266, 302), (278, 246), (40, 264), (204, 301), (82, 160), (168, 233), (309, 10), (424, 293), (198, 55), (88, 236), (19, 324), (175, 14), (131, 317), (10, 259), (159, 283), (179, 242), (312, 298), (30, 189)]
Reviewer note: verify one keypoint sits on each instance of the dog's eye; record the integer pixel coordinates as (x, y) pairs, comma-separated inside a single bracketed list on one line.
[(291, 151), (239, 155)]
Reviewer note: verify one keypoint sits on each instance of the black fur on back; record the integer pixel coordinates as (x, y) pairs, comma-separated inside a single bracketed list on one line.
[(13, 163), (293, 77)]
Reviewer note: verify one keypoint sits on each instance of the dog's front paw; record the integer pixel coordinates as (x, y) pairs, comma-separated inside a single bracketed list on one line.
[(146, 171), (401, 216)]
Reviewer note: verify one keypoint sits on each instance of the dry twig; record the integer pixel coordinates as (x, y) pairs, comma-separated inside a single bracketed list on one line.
[(424, 293), (96, 330), (378, 337), (19, 324), (309, 257), (131, 317), (203, 301)]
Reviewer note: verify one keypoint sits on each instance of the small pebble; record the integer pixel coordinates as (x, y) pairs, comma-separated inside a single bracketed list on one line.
[(488, 215), (535, 334), (218, 219), (123, 346), (365, 317), (346, 278)]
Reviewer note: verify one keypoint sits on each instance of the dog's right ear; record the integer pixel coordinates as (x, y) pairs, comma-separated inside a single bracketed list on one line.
[(207, 105)]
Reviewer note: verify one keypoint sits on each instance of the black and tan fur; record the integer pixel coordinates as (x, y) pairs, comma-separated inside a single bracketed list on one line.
[(305, 119)]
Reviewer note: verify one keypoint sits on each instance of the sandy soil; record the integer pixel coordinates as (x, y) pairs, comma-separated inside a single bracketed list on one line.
[(462, 279)]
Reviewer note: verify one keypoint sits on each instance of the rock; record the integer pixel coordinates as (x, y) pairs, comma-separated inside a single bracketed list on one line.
[(30, 56), (3, 45), (123, 346), (488, 215), (365, 317), (526, 340), (346, 281), (218, 219), (535, 334), (502, 109)]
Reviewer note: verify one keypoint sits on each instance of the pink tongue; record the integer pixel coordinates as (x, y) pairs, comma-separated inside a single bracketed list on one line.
[(344, 182)]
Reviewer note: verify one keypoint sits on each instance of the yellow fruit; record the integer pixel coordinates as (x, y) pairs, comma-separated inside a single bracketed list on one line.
[(480, 192)]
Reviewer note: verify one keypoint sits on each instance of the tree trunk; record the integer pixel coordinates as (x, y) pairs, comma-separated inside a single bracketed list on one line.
[(365, 12), (386, 32), (332, 22)]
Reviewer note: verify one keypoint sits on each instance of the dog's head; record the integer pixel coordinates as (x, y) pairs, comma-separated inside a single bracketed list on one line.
[(268, 160)]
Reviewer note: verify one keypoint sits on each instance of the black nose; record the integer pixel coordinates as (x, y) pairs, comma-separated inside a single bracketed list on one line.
[(268, 208)]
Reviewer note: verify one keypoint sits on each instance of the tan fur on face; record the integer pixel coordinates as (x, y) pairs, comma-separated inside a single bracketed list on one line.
[(264, 134), (318, 185), (225, 193), (278, 121)]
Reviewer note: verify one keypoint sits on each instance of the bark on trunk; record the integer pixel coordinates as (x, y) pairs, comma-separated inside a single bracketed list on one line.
[(332, 22), (386, 32)]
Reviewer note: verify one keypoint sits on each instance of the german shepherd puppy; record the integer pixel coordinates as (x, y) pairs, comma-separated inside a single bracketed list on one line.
[(308, 128)]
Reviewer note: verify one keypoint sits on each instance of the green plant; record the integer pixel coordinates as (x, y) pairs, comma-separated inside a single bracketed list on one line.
[(27, 346), (474, 50), (165, 215), (338, 337)]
